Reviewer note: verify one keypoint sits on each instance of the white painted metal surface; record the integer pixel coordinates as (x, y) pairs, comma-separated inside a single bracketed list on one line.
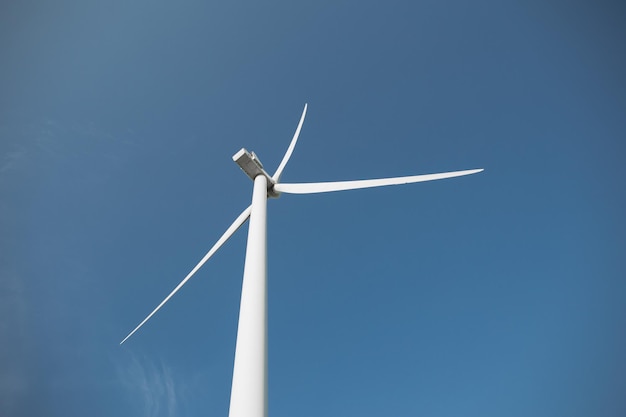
[(248, 396), (292, 145), (326, 187), (249, 385), (227, 234), (250, 164)]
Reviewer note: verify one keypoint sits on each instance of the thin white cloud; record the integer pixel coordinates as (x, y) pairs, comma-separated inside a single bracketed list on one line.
[(49, 141), (14, 382), (10, 159), (151, 386)]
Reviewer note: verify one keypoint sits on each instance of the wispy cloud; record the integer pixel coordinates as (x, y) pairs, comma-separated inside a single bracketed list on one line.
[(152, 386), (14, 378), (10, 159), (50, 142)]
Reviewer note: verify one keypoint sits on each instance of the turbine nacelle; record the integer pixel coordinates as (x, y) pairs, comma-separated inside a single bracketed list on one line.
[(252, 166)]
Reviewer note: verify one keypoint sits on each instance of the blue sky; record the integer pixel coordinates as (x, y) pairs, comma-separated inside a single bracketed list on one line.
[(501, 293)]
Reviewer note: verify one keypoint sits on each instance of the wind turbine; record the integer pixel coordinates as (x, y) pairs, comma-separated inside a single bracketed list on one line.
[(248, 397)]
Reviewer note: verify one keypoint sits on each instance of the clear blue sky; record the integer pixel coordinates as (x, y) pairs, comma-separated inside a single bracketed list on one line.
[(498, 294)]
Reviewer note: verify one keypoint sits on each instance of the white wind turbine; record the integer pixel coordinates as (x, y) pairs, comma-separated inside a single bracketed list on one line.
[(248, 397)]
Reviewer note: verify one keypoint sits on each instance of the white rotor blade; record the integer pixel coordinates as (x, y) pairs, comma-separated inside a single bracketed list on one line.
[(326, 187), (292, 145), (229, 232)]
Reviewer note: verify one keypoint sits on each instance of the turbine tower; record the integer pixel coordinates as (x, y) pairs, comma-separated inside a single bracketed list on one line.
[(248, 396)]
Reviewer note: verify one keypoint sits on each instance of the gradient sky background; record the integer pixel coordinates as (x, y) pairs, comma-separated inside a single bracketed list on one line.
[(498, 294)]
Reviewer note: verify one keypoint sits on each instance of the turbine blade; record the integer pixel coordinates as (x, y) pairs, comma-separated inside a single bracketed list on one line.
[(292, 145), (326, 187), (229, 232)]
